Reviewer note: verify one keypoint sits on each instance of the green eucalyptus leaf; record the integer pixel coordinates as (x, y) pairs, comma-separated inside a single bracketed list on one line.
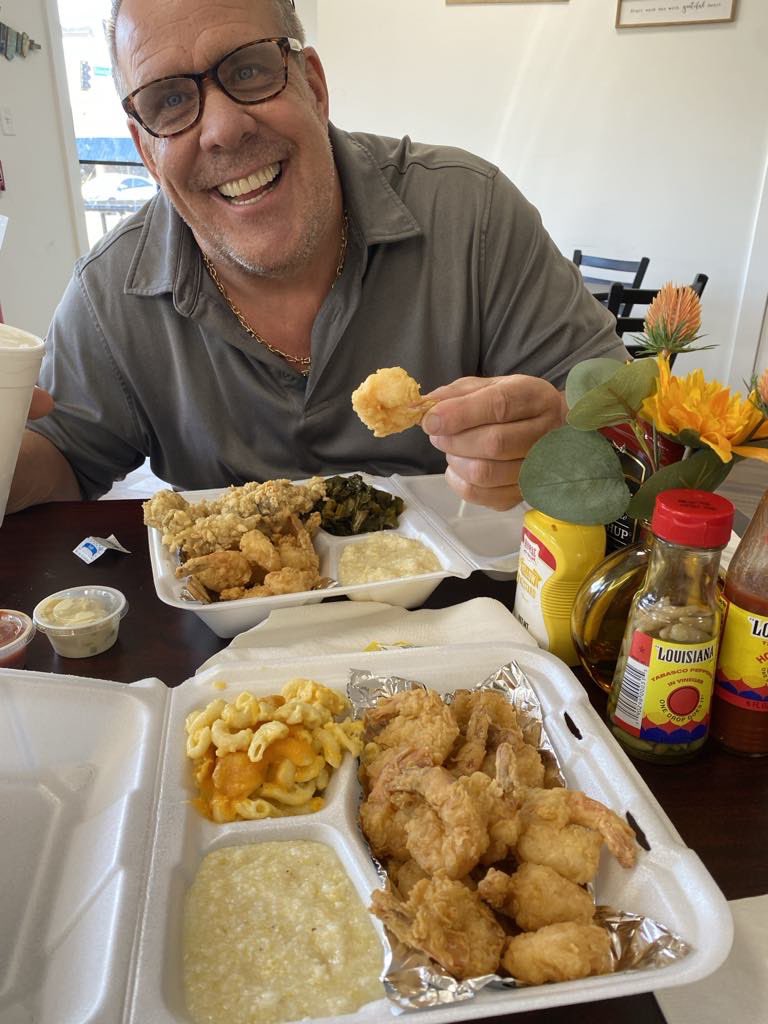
[(588, 374), (616, 400), (574, 476), (704, 471)]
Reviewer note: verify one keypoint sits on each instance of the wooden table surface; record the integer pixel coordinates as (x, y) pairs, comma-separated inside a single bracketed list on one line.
[(717, 802)]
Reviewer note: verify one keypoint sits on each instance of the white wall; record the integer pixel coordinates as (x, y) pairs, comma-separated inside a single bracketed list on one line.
[(46, 229), (631, 143)]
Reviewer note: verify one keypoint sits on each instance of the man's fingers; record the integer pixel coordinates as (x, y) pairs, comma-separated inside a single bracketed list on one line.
[(499, 498), (498, 442), (502, 400), (484, 473)]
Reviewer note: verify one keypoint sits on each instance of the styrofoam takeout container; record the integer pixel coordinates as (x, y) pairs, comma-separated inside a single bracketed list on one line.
[(463, 537), (101, 842)]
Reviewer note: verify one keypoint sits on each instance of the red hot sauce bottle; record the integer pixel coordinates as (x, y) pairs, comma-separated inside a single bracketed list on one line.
[(740, 699)]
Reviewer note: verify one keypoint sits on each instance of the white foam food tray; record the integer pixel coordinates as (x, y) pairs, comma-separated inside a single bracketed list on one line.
[(101, 843), (463, 537)]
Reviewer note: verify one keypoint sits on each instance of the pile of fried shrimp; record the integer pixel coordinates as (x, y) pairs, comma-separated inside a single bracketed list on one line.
[(487, 855), (252, 541), (268, 757)]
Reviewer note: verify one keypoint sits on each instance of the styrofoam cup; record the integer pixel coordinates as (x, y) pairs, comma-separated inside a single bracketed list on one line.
[(20, 358)]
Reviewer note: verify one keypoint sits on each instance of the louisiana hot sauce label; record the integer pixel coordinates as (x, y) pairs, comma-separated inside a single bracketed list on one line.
[(742, 669), (666, 690)]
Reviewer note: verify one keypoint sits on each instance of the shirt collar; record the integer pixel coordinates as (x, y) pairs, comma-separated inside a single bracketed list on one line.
[(166, 260)]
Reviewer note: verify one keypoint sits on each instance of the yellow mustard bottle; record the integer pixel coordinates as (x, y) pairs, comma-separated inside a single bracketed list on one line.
[(555, 558)]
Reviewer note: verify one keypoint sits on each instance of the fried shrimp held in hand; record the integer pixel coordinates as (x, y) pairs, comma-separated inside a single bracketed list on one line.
[(389, 401)]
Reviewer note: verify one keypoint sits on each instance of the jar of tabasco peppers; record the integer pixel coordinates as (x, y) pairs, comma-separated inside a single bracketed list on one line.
[(740, 704)]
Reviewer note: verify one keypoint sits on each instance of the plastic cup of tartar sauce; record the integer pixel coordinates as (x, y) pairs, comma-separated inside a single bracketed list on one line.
[(81, 621), (16, 631)]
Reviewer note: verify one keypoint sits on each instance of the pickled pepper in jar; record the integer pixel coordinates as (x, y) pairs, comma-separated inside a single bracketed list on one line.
[(660, 699), (740, 704)]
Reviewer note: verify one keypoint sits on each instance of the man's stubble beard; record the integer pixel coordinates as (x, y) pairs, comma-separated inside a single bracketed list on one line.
[(318, 217)]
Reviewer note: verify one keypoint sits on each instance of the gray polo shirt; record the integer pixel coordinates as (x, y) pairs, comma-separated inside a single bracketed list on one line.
[(449, 273)]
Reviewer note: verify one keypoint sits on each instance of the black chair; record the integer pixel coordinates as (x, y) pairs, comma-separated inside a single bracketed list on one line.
[(600, 286), (621, 296)]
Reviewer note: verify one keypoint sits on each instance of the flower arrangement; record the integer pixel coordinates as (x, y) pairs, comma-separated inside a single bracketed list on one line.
[(574, 473)]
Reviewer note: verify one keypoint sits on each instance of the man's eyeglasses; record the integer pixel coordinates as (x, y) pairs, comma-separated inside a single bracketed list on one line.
[(252, 73)]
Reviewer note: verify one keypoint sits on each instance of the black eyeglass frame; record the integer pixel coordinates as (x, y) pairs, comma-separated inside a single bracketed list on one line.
[(287, 46)]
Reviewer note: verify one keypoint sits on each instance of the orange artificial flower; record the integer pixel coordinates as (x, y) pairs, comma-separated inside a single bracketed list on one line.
[(762, 387), (674, 317), (720, 420)]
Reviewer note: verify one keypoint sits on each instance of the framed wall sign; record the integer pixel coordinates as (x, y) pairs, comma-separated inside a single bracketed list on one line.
[(648, 13)]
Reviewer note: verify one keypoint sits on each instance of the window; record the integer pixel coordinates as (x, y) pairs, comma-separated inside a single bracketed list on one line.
[(114, 183)]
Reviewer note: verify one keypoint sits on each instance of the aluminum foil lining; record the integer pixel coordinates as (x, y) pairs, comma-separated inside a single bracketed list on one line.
[(411, 980)]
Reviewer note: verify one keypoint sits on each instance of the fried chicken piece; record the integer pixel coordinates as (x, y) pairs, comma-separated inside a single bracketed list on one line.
[(389, 401), (535, 896), (271, 498), (448, 922), (218, 570), (558, 952), (158, 507), (447, 830), (413, 718), (260, 551), (565, 829), (290, 581), (382, 820), (217, 532)]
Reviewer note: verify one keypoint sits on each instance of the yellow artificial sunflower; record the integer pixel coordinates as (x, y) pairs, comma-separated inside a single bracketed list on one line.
[(721, 420)]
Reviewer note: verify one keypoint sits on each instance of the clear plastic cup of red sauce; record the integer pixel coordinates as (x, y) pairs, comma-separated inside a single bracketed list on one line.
[(16, 631)]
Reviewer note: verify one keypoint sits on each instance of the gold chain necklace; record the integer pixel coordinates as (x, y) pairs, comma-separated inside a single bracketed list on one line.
[(302, 363)]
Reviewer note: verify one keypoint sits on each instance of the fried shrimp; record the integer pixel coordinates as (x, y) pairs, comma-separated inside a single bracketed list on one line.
[(413, 718), (389, 401), (558, 952), (218, 570), (535, 896), (448, 922), (565, 829)]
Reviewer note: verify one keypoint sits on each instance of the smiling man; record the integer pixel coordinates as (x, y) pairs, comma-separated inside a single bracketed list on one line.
[(221, 330)]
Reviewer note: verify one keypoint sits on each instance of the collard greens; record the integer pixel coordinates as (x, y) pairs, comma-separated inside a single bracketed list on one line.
[(352, 506)]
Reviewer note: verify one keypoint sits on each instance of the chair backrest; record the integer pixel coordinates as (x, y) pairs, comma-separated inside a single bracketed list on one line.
[(635, 267), (620, 296), (613, 270)]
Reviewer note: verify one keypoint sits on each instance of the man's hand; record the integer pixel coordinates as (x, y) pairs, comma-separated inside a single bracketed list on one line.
[(41, 404), (486, 426)]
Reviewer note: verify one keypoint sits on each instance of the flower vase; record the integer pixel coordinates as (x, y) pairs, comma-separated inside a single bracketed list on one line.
[(600, 610)]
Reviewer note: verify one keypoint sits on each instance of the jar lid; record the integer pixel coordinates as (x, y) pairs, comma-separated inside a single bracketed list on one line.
[(698, 519)]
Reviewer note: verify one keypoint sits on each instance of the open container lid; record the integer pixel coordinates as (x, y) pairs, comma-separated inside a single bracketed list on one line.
[(101, 842)]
